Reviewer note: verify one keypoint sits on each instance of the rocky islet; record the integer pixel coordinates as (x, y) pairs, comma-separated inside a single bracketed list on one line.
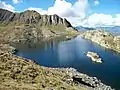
[(94, 57)]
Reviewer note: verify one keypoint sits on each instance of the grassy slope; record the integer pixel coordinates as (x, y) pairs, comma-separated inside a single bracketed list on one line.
[(14, 32), (16, 73)]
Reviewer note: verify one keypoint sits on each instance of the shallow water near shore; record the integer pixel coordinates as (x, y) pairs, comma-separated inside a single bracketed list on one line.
[(58, 53)]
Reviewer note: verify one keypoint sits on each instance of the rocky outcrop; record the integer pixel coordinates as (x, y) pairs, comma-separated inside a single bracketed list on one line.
[(17, 73), (32, 17), (80, 79), (29, 26), (104, 39), (94, 57)]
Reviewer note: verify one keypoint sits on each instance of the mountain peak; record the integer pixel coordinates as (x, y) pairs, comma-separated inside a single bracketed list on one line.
[(31, 16), (30, 25)]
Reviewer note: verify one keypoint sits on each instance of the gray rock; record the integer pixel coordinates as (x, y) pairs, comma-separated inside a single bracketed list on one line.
[(32, 17), (104, 39), (91, 82)]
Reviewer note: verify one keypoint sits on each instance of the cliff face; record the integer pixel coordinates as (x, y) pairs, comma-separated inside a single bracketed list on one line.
[(104, 39), (30, 25), (32, 17)]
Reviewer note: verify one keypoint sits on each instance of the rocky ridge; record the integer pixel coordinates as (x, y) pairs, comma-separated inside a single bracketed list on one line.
[(30, 17), (30, 26), (104, 39)]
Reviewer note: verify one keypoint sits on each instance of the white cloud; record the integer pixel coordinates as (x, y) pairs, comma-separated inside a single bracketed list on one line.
[(4, 5), (16, 1), (61, 8), (96, 2), (117, 20), (97, 20), (66, 9), (73, 12)]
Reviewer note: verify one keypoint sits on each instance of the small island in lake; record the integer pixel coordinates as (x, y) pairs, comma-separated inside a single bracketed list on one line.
[(94, 57)]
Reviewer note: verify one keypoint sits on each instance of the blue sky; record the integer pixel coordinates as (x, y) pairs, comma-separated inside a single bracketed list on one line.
[(105, 6), (78, 12)]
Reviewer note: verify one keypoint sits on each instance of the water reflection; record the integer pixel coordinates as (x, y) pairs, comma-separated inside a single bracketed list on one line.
[(67, 57)]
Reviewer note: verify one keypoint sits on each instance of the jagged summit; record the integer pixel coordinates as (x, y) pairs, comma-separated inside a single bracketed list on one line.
[(30, 25), (31, 16)]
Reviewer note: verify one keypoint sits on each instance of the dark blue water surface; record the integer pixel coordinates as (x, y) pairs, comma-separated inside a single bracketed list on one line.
[(58, 53)]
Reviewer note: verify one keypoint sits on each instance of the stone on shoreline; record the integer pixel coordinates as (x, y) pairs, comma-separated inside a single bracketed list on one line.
[(91, 83)]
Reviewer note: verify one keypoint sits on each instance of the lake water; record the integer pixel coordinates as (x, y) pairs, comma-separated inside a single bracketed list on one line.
[(58, 53)]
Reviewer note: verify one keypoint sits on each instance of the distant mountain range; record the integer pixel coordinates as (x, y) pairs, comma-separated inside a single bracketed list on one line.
[(81, 28), (113, 29)]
